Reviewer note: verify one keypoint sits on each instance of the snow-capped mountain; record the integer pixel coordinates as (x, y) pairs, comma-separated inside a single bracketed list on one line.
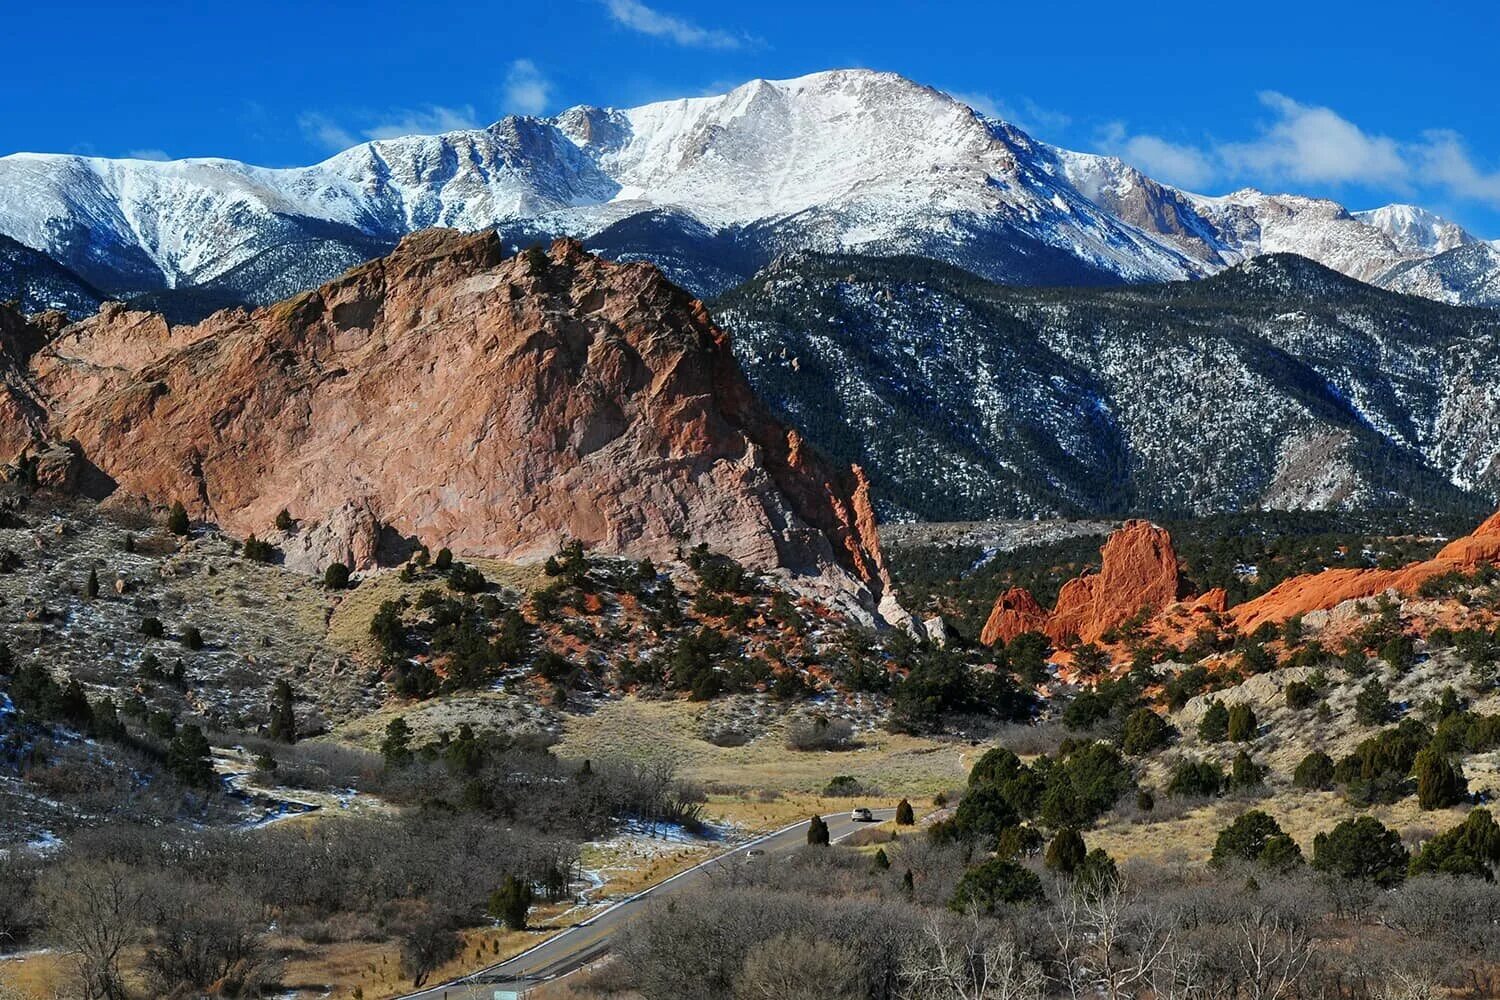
[(1415, 230), (711, 188), (1467, 275)]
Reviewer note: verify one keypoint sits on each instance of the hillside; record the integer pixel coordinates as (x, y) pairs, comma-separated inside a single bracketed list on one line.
[(1277, 384)]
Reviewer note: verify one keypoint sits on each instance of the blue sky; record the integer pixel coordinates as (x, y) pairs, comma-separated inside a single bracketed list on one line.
[(1365, 102)]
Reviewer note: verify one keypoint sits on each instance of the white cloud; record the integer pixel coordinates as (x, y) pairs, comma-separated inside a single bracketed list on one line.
[(325, 131), (149, 154), (638, 17), (423, 121), (1164, 160), (1445, 158), (1316, 144), (527, 91), (1023, 112)]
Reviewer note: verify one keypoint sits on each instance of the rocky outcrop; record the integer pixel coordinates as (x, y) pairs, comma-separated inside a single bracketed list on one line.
[(1015, 611), (448, 395), (1330, 588), (1138, 573)]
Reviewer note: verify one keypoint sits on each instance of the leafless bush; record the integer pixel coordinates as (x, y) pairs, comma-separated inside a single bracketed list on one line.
[(818, 732), (203, 938), (92, 911)]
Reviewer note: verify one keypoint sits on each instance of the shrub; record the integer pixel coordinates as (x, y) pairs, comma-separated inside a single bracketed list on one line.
[(177, 519), (1018, 841), (336, 576), (1083, 785), (192, 638), (1066, 852), (1439, 783), (152, 628), (1315, 772), (818, 732), (1372, 707), (259, 551), (1214, 726), (1470, 848), (284, 522), (983, 813), (1300, 695), (1196, 779), (466, 579), (510, 903), (1145, 731), (996, 883), (843, 786), (904, 814), (1256, 838), (1245, 773), (817, 832), (91, 585), (1242, 724), (1361, 849)]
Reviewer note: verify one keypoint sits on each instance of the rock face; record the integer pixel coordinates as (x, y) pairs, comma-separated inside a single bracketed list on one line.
[(1015, 611), (1138, 573), (448, 396), (1322, 591)]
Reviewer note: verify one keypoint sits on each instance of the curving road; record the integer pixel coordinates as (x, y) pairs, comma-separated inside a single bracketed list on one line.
[(588, 941)]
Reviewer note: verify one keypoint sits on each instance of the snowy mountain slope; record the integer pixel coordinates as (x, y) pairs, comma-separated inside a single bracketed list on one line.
[(1278, 383), (712, 187), (1415, 230), (39, 283), (1467, 275)]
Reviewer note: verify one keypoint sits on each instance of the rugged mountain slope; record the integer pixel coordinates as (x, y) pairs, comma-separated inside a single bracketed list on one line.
[(448, 395), (1467, 275), (711, 188), (1276, 384), (39, 283)]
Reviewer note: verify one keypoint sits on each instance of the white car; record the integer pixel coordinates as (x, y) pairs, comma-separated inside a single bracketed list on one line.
[(861, 815)]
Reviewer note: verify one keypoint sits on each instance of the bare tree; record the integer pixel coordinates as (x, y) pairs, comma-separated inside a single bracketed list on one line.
[(967, 962), (93, 911), (791, 968), (1272, 953), (1106, 945)]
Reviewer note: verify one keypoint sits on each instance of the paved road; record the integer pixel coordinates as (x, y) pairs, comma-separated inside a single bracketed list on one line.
[(588, 941)]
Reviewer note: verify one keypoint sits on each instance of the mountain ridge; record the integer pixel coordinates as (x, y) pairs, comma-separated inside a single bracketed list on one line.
[(839, 161)]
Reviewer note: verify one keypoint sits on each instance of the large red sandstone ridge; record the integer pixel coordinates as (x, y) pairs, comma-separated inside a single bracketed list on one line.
[(447, 395), (1321, 591), (1137, 573)]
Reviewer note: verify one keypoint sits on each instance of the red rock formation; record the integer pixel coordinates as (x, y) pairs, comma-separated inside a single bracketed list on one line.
[(1320, 591), (1015, 611), (1138, 572), (495, 406)]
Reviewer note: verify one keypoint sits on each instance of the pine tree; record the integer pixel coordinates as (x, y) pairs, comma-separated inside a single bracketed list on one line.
[(1066, 852), (882, 861), (283, 727), (188, 757), (904, 814), (1214, 726), (1241, 724), (91, 588), (396, 747), (509, 903), (817, 831), (1439, 783), (177, 520)]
